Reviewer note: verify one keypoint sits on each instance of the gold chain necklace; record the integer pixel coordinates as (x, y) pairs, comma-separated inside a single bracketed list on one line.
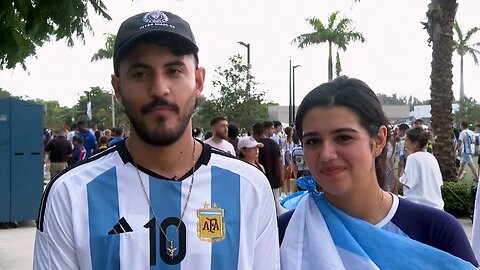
[(171, 248)]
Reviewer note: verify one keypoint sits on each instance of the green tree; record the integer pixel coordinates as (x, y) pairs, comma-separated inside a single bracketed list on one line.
[(339, 34), (54, 115), (4, 93), (462, 47), (232, 101), (469, 110), (441, 16), (100, 100), (27, 25), (107, 51)]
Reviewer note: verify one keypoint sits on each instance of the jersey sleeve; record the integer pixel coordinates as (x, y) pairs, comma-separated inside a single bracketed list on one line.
[(266, 246), (54, 241), (408, 178)]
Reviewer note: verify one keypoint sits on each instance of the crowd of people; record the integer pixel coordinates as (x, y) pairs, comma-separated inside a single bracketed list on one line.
[(67, 147), (168, 195)]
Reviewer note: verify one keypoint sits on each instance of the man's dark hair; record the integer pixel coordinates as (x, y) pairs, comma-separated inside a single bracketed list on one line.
[(217, 119), (74, 126), (118, 131), (257, 129), (233, 131), (80, 123), (77, 139), (403, 126), (418, 135), (267, 124), (277, 124), (464, 124)]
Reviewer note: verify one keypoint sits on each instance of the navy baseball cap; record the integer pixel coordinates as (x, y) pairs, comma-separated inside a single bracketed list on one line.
[(158, 25)]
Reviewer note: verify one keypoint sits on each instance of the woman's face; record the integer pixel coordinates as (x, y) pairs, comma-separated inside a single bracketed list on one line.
[(250, 153), (338, 150)]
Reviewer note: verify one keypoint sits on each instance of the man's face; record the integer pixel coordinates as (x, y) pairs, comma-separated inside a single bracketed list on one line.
[(158, 91), (278, 129), (269, 131), (220, 130), (401, 132)]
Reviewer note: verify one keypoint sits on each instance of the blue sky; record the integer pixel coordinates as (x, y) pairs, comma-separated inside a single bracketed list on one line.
[(394, 59)]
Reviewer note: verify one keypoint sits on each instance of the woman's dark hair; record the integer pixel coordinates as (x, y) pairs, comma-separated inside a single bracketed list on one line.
[(418, 135), (357, 96)]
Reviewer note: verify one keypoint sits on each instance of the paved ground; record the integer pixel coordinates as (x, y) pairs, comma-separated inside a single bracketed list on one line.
[(16, 245)]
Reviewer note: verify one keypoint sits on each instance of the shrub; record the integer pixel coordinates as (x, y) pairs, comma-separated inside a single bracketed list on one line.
[(458, 198)]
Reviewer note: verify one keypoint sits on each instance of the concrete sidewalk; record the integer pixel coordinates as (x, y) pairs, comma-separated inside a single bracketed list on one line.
[(16, 245)]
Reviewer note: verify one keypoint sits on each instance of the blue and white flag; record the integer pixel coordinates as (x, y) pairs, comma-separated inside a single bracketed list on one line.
[(320, 236)]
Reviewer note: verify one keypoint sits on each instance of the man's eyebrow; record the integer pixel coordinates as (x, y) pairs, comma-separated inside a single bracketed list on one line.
[(338, 130), (175, 63)]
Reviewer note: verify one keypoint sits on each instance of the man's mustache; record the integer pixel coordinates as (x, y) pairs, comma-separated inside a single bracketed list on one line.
[(160, 102)]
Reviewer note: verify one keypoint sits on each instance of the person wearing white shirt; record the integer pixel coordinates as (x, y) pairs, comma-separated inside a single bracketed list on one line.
[(422, 178), (219, 135)]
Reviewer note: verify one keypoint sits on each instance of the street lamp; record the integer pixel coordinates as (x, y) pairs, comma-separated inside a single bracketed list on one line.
[(247, 45), (293, 92)]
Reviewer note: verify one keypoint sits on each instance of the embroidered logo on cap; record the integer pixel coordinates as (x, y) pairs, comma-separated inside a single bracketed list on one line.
[(155, 17)]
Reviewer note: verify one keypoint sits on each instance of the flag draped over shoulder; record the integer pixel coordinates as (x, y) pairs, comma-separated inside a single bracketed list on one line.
[(320, 236)]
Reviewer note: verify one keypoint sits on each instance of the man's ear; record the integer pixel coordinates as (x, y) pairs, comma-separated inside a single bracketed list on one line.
[(115, 80), (199, 80)]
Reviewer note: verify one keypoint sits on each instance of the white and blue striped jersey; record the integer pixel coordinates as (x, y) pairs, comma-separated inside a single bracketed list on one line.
[(96, 216)]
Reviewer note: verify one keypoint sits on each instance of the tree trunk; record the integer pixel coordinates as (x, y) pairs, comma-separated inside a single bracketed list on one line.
[(330, 63), (441, 15), (462, 91)]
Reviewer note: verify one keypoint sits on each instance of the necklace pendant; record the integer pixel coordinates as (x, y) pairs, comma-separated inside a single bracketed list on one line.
[(171, 250)]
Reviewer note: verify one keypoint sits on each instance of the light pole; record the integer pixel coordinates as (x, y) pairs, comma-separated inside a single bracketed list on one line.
[(247, 45), (290, 92), (293, 92)]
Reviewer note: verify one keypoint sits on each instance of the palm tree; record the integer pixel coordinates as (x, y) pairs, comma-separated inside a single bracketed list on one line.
[(462, 47), (107, 52), (441, 16), (340, 34)]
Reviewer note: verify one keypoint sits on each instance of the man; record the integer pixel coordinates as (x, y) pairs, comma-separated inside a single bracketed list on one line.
[(159, 199), (270, 158), (89, 140), (401, 152), (466, 145), (118, 136), (219, 137), (418, 123), (73, 132), (60, 151), (277, 132)]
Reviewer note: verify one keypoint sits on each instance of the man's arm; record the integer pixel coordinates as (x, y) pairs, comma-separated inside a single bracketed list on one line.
[(54, 241)]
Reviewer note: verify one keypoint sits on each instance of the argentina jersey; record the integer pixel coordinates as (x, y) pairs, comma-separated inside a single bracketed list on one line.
[(97, 216)]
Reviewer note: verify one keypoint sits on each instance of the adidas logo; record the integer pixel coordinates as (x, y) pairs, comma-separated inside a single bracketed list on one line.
[(121, 227)]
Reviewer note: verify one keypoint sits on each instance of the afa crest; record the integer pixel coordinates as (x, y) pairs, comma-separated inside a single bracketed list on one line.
[(210, 225)]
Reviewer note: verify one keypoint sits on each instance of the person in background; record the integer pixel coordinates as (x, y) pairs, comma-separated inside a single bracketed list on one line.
[(248, 148), (118, 136), (277, 132), (466, 145), (354, 223), (60, 151), (89, 140), (401, 154), (422, 179), (103, 145), (219, 135), (288, 172), (108, 133), (233, 133), (78, 153)]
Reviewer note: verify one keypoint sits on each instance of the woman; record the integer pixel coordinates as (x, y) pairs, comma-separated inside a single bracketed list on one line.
[(354, 224), (288, 162), (422, 177), (248, 151)]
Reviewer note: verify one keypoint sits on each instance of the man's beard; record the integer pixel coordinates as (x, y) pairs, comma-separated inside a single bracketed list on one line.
[(160, 136)]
